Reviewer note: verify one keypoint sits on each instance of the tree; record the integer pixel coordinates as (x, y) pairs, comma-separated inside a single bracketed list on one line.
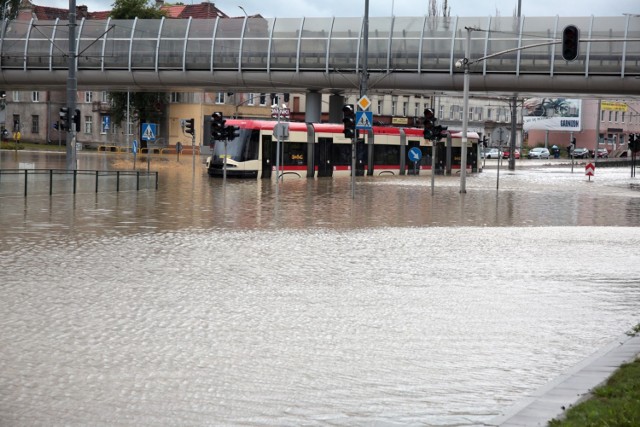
[(10, 9), (130, 9), (145, 105)]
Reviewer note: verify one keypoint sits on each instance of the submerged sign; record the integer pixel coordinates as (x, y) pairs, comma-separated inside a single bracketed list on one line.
[(555, 114)]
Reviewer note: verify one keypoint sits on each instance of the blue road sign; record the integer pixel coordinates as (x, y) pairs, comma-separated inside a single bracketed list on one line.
[(149, 131), (415, 154), (106, 122), (364, 119), (134, 146)]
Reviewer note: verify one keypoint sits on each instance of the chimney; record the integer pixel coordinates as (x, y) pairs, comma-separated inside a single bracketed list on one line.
[(82, 11)]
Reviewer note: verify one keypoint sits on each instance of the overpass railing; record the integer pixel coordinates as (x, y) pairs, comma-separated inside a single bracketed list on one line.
[(609, 45)]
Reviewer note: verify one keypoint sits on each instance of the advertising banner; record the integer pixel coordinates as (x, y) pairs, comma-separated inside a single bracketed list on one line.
[(554, 114)]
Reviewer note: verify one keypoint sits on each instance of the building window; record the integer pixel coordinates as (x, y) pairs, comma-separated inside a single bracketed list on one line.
[(379, 107), (615, 117), (176, 97), (88, 97), (250, 99), (479, 113), (394, 105), (489, 113), (220, 97), (622, 114), (263, 99), (610, 115), (16, 122), (452, 112), (35, 96), (602, 115), (35, 124), (441, 111), (104, 96), (416, 112), (88, 124), (16, 96), (405, 109), (470, 113)]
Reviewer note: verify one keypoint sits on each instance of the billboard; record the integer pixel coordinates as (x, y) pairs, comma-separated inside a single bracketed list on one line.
[(555, 114)]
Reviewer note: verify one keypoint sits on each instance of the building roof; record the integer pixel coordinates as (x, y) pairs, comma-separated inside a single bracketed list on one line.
[(204, 10)]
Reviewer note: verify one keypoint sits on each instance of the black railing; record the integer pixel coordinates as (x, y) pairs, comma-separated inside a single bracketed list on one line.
[(14, 176)]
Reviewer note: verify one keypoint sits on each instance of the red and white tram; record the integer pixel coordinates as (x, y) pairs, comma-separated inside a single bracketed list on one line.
[(321, 150)]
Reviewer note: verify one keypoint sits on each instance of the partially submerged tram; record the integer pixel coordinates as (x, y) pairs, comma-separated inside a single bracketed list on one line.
[(321, 150)]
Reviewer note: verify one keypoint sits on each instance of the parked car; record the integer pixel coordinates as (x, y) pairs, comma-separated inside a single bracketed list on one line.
[(581, 153), (491, 153), (538, 153), (602, 152), (505, 154)]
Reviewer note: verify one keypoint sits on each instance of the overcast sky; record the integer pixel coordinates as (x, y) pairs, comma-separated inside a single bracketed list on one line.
[(350, 8)]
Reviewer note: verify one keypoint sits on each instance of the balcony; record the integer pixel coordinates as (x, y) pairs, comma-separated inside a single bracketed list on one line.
[(101, 107)]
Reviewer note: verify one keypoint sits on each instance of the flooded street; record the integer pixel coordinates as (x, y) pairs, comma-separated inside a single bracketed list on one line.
[(213, 303)]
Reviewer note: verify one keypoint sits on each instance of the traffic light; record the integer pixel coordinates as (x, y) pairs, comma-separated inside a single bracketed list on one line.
[(429, 123), (64, 118), (634, 143), (570, 42), (439, 132), (232, 132), (76, 120), (218, 132), (349, 120), (189, 127)]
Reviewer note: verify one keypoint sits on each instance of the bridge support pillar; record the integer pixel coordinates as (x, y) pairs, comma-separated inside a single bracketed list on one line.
[(313, 107)]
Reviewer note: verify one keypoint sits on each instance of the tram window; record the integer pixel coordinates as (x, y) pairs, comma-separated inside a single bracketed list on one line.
[(386, 155), (294, 154), (341, 154), (251, 148)]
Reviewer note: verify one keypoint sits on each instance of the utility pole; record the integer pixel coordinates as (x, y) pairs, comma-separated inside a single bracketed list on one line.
[(514, 107), (364, 81), (72, 87)]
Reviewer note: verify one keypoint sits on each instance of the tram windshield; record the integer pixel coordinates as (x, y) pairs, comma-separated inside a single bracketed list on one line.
[(240, 149)]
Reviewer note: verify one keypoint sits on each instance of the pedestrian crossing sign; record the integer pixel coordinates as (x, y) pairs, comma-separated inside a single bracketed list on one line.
[(364, 119), (149, 131)]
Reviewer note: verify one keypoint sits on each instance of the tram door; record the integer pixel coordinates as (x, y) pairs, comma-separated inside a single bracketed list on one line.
[(322, 156), (268, 156)]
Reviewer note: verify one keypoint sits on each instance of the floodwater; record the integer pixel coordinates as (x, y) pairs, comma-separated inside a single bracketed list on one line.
[(211, 303)]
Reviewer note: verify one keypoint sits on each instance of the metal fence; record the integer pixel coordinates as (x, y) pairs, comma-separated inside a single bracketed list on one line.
[(61, 181)]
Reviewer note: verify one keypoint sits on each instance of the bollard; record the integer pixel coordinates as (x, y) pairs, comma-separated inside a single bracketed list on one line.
[(96, 181), (75, 179), (25, 181), (137, 180), (50, 182), (117, 181), (156, 180)]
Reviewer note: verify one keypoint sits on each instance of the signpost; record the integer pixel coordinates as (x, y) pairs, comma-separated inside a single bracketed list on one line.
[(501, 136), (590, 170), (134, 149), (415, 155)]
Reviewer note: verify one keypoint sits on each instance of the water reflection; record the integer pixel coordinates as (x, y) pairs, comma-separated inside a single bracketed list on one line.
[(208, 303)]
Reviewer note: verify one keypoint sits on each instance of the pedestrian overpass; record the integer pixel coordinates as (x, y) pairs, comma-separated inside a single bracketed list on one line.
[(253, 54)]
